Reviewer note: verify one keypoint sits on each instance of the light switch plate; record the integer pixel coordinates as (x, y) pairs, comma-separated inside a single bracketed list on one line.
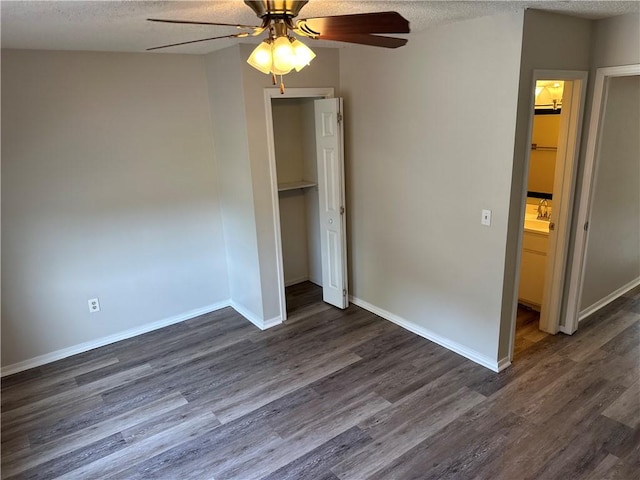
[(486, 218)]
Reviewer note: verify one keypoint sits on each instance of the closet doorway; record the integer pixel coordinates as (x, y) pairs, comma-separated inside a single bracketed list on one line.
[(304, 130)]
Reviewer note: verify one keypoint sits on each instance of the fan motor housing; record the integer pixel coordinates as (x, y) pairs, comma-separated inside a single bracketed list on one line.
[(276, 8)]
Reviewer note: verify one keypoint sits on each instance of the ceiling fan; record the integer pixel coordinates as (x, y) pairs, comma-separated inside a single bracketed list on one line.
[(281, 52)]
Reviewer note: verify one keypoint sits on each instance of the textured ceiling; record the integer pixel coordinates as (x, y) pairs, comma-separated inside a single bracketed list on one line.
[(120, 26)]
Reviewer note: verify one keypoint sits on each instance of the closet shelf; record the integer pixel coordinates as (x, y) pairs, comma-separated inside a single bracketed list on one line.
[(283, 187)]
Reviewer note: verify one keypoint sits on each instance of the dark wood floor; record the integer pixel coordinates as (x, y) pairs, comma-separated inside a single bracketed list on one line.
[(527, 331), (331, 394)]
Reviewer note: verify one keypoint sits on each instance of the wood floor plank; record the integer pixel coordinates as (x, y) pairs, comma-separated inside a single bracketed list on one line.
[(63, 464), (46, 418), (213, 449), (474, 454), (70, 396), (52, 383), (240, 402), (528, 459), (586, 451), (331, 394), (152, 442), (626, 408), (41, 454), (317, 463), (627, 342), (544, 401), (408, 423), (605, 469), (584, 345)]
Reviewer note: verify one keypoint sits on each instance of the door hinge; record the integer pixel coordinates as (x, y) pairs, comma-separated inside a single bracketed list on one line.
[(339, 117), (344, 292), (586, 226), (341, 210)]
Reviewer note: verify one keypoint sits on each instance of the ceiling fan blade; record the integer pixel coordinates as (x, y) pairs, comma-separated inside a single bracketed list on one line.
[(377, 22), (237, 35), (191, 22), (365, 39)]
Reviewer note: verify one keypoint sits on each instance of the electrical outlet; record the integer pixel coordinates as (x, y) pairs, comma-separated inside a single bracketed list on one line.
[(486, 218), (94, 305)]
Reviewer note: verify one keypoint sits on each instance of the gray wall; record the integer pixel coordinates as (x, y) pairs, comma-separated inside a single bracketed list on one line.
[(613, 248), (224, 76), (108, 190), (426, 150), (550, 42), (616, 42)]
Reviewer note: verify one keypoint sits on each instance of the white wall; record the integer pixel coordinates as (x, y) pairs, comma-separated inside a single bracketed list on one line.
[(613, 250), (550, 42), (224, 76), (108, 190), (426, 150)]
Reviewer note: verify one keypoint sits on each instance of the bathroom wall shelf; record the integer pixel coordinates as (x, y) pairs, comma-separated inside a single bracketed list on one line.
[(535, 146), (301, 184)]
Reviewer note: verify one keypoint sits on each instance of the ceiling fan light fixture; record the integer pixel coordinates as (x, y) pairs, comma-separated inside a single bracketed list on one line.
[(261, 58), (303, 54), (284, 57)]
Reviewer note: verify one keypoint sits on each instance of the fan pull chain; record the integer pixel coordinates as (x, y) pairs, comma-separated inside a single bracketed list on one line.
[(273, 78), (281, 85)]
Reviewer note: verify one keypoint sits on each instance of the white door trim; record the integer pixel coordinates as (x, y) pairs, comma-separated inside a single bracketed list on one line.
[(579, 79), (269, 94), (589, 178), (564, 183)]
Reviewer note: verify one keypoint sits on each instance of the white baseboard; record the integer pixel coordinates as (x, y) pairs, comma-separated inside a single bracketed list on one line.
[(503, 363), (272, 322), (434, 337), (608, 299), (101, 342), (255, 319)]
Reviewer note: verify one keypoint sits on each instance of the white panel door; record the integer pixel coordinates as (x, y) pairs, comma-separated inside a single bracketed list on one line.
[(333, 240)]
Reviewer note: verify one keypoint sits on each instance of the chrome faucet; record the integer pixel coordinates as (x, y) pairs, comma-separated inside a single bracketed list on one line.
[(543, 209)]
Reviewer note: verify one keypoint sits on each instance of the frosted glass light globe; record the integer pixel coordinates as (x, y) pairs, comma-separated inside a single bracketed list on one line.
[(284, 58), (303, 54), (260, 58)]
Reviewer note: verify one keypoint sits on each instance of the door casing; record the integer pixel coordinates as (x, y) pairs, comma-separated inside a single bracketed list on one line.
[(269, 94), (574, 293), (569, 143)]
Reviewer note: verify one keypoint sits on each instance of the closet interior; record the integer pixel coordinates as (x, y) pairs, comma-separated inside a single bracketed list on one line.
[(296, 167)]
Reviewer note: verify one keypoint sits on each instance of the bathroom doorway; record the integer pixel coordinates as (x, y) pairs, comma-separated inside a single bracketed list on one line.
[(545, 134), (554, 138)]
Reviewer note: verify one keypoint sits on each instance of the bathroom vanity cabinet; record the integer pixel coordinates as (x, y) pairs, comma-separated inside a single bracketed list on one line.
[(532, 268)]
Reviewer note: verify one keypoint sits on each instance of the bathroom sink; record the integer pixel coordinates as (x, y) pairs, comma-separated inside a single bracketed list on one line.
[(533, 224)]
